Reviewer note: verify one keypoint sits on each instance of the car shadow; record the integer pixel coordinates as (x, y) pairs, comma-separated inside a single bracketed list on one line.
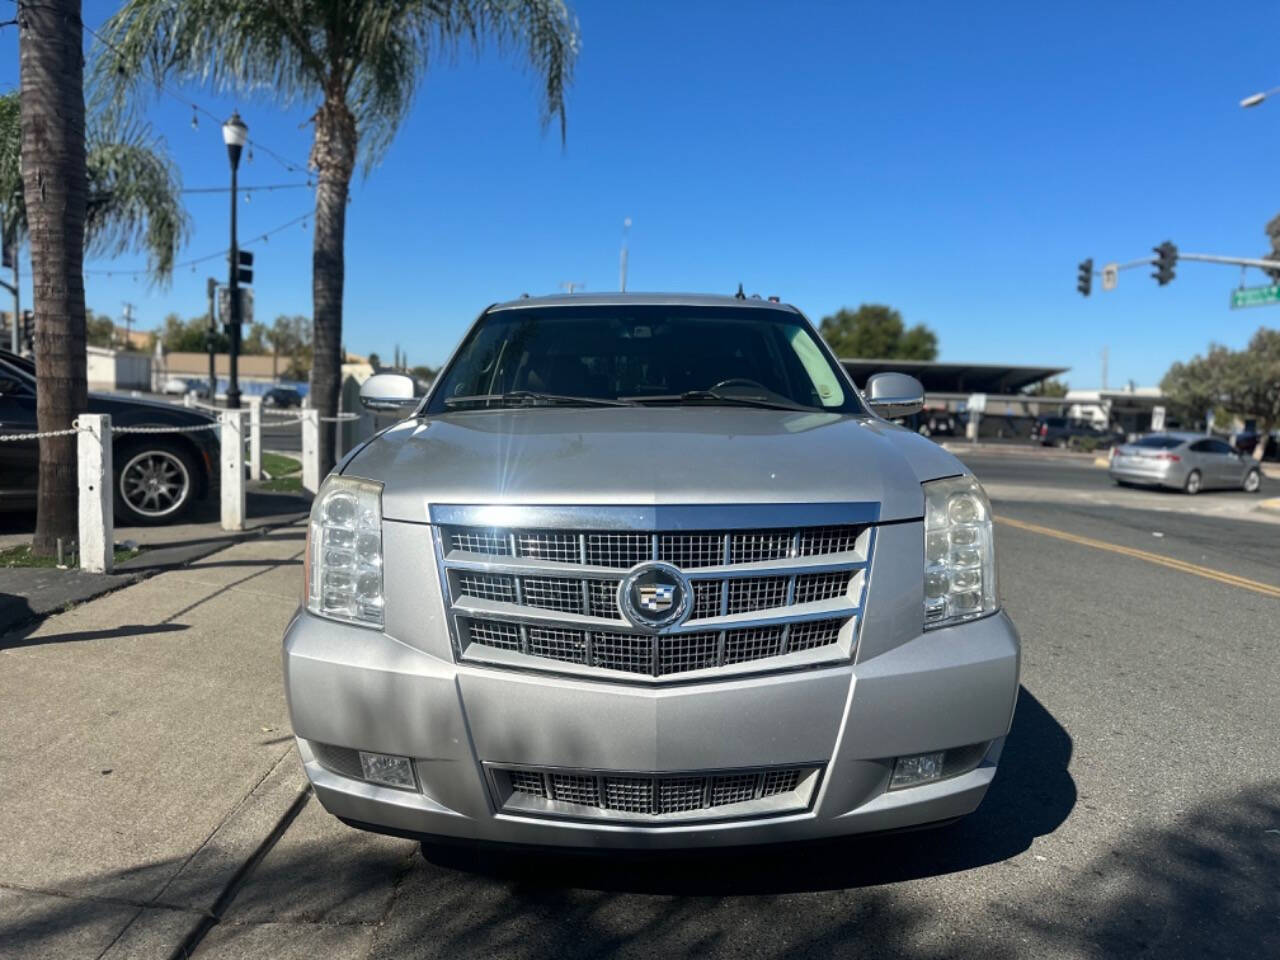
[(1032, 794)]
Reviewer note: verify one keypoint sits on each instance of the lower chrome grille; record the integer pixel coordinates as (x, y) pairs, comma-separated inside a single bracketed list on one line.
[(638, 796)]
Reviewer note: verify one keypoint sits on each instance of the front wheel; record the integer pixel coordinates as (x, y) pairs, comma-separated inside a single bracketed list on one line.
[(156, 483), (1252, 481), (1192, 484)]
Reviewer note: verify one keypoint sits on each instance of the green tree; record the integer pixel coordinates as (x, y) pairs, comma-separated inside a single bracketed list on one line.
[(255, 340), (360, 62), (877, 331), (191, 336), (289, 338), (1049, 388), (424, 373), (99, 331), (375, 361), (1243, 382)]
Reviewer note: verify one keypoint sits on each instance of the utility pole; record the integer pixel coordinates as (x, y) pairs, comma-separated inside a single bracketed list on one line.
[(234, 133), (128, 321), (1104, 368), (569, 286), (622, 257)]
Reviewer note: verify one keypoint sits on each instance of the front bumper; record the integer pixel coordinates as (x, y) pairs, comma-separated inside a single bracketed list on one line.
[(361, 689)]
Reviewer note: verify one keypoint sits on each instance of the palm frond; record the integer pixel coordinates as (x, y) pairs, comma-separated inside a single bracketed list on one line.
[(133, 203)]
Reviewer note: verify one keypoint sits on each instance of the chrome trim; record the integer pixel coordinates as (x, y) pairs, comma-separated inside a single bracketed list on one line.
[(665, 518), (539, 617), (528, 566)]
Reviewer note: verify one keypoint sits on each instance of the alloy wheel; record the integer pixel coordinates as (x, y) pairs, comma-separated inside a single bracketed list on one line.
[(155, 483)]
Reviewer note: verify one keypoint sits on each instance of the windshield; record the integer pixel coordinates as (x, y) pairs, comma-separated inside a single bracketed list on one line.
[(630, 354)]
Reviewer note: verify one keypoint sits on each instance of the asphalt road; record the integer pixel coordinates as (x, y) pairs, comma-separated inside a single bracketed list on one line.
[(1136, 811)]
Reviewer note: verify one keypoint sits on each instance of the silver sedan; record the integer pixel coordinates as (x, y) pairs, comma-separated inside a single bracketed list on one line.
[(1184, 461)]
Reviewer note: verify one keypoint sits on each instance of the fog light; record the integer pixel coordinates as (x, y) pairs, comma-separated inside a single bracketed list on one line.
[(913, 771), (387, 770)]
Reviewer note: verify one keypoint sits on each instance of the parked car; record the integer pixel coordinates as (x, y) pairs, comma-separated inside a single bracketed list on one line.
[(932, 423), (1247, 441), (157, 477), (1184, 461), (647, 571), (175, 386), (1061, 431), (282, 397)]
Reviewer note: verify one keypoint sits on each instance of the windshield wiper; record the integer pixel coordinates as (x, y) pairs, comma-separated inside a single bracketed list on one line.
[(533, 398), (711, 396)]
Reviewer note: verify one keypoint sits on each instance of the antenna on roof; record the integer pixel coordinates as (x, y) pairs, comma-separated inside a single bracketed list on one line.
[(739, 295)]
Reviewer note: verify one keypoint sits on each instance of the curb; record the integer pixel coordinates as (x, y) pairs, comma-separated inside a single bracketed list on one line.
[(197, 897), (142, 567), (1270, 505)]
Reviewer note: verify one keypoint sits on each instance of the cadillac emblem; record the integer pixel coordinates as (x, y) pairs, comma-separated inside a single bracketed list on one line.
[(655, 595)]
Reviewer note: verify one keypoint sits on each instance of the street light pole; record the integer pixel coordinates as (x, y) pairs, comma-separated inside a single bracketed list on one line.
[(235, 134), (622, 257)]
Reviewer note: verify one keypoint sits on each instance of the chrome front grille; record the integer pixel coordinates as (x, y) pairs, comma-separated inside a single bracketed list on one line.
[(654, 797), (763, 597)]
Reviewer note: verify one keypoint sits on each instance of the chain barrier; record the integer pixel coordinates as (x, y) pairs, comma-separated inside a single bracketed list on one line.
[(8, 437), (195, 429)]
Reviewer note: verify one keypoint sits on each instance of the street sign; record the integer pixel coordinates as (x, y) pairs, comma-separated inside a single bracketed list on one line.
[(1157, 419), (246, 305), (1255, 296), (1110, 274)]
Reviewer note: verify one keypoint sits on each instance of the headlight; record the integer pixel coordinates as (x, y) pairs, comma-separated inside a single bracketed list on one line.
[(344, 552), (959, 553)]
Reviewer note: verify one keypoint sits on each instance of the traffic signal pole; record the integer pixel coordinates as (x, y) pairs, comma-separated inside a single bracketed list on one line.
[(1201, 258)]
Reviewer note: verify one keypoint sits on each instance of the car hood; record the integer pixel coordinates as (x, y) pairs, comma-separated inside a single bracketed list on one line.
[(649, 456)]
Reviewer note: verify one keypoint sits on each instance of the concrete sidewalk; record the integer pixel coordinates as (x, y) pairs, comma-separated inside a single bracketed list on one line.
[(145, 755)]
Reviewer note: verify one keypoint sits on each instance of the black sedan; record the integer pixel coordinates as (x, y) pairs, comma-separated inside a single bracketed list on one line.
[(158, 476)]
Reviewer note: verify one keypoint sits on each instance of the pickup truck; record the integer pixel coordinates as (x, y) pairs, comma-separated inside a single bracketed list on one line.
[(649, 571)]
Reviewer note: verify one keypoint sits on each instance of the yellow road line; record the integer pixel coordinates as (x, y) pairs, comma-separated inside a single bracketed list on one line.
[(1230, 579)]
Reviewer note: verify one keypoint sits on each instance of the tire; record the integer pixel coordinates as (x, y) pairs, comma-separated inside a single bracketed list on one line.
[(1192, 485), (1252, 481), (155, 482), (923, 430)]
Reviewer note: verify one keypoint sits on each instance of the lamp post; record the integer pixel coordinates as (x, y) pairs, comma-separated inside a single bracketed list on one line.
[(234, 133)]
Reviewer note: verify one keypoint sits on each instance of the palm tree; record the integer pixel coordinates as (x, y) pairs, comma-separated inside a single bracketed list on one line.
[(360, 61), (55, 189), (133, 198), (120, 194)]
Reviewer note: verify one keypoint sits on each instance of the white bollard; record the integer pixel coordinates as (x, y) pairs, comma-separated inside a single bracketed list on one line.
[(255, 438), (189, 398), (94, 471), (311, 450), (232, 457)]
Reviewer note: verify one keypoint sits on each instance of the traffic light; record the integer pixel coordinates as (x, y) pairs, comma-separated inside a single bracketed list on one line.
[(1166, 260), (244, 269), (1085, 283)]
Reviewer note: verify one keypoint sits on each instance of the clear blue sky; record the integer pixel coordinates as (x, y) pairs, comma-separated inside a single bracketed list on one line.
[(954, 161)]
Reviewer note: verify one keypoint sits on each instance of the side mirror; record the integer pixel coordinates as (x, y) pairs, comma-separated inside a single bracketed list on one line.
[(894, 395), (388, 391)]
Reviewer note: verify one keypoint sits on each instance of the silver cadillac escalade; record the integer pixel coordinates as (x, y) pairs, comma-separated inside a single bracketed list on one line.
[(649, 571)]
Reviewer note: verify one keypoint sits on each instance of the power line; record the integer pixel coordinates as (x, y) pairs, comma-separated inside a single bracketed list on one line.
[(266, 186), (212, 256), (196, 108)]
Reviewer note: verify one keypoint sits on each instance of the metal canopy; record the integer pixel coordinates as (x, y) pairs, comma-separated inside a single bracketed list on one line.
[(996, 378)]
